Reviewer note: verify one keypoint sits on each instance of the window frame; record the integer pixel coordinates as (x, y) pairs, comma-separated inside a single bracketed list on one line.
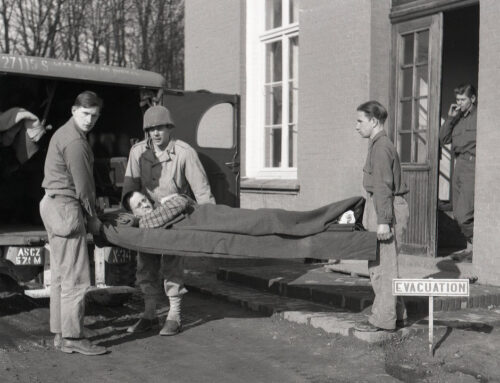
[(258, 39)]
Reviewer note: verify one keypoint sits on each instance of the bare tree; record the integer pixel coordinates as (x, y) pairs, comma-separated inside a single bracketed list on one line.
[(146, 34), (38, 22), (6, 9), (72, 27)]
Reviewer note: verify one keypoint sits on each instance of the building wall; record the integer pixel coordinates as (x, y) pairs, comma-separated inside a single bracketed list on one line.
[(338, 69), (215, 51), (486, 258), (343, 61), (380, 51), (213, 48)]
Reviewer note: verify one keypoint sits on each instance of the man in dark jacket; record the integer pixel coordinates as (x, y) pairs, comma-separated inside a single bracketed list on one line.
[(460, 129)]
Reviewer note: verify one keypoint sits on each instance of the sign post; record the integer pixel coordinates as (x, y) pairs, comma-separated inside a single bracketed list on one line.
[(431, 288)]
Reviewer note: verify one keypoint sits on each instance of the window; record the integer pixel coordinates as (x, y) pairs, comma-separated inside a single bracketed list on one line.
[(413, 124), (272, 88)]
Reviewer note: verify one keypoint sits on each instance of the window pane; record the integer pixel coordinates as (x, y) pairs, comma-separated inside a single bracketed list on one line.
[(273, 14), (292, 146), (423, 46), (420, 147), (273, 148), (408, 49), (294, 11), (405, 117), (421, 107), (277, 105), (273, 62), (407, 78), (274, 105), (422, 80), (404, 147), (294, 57)]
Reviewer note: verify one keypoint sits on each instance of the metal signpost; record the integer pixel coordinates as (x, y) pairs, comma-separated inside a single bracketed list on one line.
[(431, 288)]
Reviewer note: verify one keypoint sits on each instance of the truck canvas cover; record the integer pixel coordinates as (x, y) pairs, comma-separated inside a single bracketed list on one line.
[(62, 69)]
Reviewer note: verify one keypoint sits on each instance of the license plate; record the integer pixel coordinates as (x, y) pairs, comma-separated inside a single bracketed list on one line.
[(119, 255), (25, 255)]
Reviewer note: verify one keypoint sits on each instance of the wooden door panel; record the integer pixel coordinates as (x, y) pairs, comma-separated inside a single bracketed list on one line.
[(416, 237)]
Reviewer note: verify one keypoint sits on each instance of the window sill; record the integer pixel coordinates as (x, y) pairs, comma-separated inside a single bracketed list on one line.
[(274, 186)]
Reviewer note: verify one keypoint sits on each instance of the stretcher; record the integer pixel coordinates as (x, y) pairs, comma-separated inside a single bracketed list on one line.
[(320, 235)]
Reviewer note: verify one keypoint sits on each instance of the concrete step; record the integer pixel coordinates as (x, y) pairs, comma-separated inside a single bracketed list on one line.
[(320, 285), (411, 266), (330, 319)]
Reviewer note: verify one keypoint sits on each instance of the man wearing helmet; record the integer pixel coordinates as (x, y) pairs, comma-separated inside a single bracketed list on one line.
[(160, 166)]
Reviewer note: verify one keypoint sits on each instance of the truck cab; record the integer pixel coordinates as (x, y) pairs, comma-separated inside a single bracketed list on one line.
[(209, 122)]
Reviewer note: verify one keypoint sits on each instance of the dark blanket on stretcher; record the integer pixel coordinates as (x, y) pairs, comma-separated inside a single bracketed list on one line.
[(265, 233), (225, 219)]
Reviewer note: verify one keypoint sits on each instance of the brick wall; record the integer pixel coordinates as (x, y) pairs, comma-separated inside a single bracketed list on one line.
[(487, 202)]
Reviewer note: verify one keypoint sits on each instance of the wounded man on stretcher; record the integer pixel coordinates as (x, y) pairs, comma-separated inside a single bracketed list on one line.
[(331, 231)]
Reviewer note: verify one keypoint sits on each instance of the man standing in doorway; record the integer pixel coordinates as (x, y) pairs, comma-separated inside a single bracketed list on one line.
[(459, 129), (69, 201), (160, 166)]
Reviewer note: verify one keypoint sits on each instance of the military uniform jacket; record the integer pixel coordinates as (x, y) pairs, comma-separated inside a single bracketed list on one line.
[(174, 170)]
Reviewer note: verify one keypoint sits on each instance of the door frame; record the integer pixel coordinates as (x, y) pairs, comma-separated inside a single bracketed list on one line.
[(404, 10), (434, 23)]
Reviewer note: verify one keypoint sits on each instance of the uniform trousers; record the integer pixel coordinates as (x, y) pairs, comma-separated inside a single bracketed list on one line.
[(386, 308), (149, 269), (463, 194), (69, 263)]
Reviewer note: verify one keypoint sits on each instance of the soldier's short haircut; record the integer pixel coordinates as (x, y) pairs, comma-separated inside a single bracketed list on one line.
[(88, 99), (466, 89), (373, 109)]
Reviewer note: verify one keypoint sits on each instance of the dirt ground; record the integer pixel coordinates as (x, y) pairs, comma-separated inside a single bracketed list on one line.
[(222, 342)]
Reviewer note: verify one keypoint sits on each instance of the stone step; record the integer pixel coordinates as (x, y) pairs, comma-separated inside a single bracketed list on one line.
[(315, 283), (325, 317)]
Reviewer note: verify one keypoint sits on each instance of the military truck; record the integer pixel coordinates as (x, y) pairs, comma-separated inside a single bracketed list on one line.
[(48, 87)]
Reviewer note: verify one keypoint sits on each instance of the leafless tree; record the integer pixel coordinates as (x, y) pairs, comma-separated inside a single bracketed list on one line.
[(146, 34), (6, 10), (38, 22), (72, 27)]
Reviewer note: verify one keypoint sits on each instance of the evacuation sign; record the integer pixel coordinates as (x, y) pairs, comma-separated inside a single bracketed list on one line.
[(431, 287)]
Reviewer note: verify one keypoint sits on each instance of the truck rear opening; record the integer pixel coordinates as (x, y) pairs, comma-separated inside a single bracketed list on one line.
[(209, 122), (49, 94)]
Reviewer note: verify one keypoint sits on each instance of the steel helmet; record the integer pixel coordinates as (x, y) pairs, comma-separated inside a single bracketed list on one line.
[(156, 116)]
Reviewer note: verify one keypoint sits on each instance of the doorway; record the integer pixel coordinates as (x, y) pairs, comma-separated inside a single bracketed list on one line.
[(460, 64)]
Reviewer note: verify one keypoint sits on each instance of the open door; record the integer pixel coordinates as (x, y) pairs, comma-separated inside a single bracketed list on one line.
[(415, 122), (209, 122)]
